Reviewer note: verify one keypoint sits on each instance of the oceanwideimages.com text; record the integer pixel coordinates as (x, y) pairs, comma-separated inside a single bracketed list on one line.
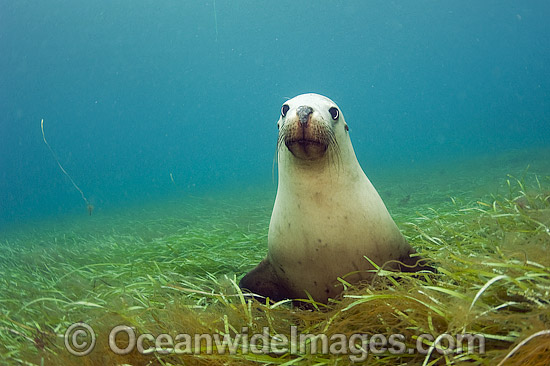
[(80, 340)]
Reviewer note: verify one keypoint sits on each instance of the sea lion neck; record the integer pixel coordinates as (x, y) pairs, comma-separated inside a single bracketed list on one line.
[(330, 171)]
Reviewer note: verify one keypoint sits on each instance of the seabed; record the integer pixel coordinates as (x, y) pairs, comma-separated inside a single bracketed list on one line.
[(173, 267)]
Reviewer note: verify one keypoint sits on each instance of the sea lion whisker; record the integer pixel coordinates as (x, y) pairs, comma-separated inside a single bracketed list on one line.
[(275, 158), (334, 151)]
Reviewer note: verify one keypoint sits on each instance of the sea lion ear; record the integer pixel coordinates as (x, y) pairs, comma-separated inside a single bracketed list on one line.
[(346, 127)]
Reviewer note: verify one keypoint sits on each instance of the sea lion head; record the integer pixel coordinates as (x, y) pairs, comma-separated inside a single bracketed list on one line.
[(310, 127)]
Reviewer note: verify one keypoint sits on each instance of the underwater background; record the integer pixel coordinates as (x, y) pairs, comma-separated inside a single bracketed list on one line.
[(131, 92), (162, 115)]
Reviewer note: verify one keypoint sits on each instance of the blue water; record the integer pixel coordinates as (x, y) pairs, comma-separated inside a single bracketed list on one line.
[(133, 91)]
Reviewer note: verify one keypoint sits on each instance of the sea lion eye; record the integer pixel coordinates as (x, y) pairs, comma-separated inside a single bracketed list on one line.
[(284, 110), (334, 113)]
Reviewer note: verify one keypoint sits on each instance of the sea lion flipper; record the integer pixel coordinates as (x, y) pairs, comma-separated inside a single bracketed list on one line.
[(263, 280), (410, 262)]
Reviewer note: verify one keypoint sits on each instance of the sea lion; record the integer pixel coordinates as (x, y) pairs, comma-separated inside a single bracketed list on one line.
[(327, 215)]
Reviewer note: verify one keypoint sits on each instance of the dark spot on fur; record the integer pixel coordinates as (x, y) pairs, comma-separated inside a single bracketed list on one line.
[(315, 283), (327, 291), (300, 262)]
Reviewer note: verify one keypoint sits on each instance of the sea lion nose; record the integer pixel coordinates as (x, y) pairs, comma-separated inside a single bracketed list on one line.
[(303, 113)]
